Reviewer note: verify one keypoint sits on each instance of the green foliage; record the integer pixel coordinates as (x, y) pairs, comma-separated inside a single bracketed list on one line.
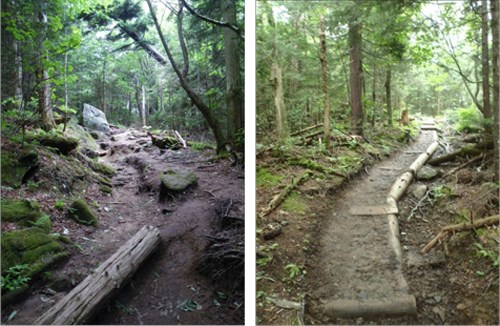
[(32, 186), (294, 203), (492, 255), (469, 120), (15, 278), (266, 178), (43, 223), (294, 271), (59, 205)]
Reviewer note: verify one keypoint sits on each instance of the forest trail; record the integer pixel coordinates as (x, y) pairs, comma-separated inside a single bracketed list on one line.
[(168, 288), (358, 268)]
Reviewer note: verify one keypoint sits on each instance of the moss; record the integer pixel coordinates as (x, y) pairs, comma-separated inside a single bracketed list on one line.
[(43, 223), (266, 178), (105, 189), (32, 246), (295, 204), (103, 168), (81, 213), (312, 165), (198, 146), (20, 211), (104, 181), (15, 166), (60, 142)]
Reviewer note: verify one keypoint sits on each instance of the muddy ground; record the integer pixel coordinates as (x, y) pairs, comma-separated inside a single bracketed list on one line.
[(453, 284), (169, 288)]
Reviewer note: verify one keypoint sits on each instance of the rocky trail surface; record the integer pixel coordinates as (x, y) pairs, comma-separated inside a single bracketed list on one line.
[(358, 272), (172, 286)]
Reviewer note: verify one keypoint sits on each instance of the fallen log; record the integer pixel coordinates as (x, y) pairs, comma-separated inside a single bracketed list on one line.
[(398, 306), (279, 198), (180, 139), (165, 142), (462, 152), (306, 129), (83, 302), (450, 229)]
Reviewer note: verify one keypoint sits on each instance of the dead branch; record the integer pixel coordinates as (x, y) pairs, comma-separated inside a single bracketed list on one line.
[(466, 164), (179, 138), (278, 199), (306, 129), (417, 206), (450, 229)]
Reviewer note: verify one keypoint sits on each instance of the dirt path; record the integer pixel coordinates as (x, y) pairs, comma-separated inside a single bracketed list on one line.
[(168, 289), (356, 261)]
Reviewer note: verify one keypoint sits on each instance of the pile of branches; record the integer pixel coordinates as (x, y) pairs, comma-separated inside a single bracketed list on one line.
[(223, 258)]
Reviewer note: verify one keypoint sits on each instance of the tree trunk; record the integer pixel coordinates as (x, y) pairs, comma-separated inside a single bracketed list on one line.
[(234, 83), (495, 13), (355, 76), (143, 106), (388, 100), (485, 59), (324, 81), (19, 74), (82, 303), (103, 86), (44, 105), (279, 103), (374, 97), (196, 100), (129, 103)]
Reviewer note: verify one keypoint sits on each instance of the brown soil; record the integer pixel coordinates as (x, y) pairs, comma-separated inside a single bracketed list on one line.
[(169, 283), (349, 257)]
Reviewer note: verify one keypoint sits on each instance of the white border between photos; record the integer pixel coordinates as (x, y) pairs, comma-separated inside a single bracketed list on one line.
[(250, 213)]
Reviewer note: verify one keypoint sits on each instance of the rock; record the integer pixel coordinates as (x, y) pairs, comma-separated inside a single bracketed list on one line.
[(426, 173), (419, 191), (440, 312), (175, 181), (271, 231), (94, 118), (62, 143), (103, 168), (95, 134), (20, 211), (104, 145), (32, 246), (81, 213), (16, 166)]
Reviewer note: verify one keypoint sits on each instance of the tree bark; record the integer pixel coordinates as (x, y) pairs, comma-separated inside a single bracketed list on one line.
[(234, 84), (355, 76), (182, 41), (485, 59), (324, 82), (495, 13), (279, 103), (83, 302), (197, 101), (19, 74), (388, 100), (44, 105), (143, 106)]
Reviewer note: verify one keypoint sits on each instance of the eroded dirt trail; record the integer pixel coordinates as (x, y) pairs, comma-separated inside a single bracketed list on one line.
[(168, 288), (356, 261)]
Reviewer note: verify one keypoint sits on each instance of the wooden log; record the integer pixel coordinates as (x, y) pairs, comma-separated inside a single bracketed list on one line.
[(394, 236), (464, 151), (449, 229), (397, 306), (306, 129), (279, 198), (82, 303), (180, 139)]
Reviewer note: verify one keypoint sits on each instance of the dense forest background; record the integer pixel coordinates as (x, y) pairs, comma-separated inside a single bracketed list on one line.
[(357, 65), (183, 73)]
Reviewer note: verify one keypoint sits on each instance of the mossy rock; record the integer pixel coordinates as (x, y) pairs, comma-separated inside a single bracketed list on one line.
[(63, 144), (32, 246), (20, 211), (174, 181), (105, 189), (16, 166), (103, 168), (81, 213)]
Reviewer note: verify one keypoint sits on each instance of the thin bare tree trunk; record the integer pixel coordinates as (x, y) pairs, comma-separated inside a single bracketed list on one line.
[(279, 103), (44, 105), (324, 84), (495, 13), (143, 106), (388, 100), (485, 59), (355, 77)]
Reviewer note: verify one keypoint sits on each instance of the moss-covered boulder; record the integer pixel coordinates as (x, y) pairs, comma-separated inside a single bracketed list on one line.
[(175, 181), (17, 165), (81, 213), (32, 246), (63, 144), (103, 168), (20, 211)]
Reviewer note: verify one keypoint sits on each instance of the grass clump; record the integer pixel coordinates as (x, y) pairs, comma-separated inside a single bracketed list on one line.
[(295, 204), (266, 178)]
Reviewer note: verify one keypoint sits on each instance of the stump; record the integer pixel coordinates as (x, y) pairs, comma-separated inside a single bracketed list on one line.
[(86, 299)]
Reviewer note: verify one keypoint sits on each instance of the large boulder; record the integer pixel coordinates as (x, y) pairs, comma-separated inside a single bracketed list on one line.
[(20, 211), (94, 119)]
